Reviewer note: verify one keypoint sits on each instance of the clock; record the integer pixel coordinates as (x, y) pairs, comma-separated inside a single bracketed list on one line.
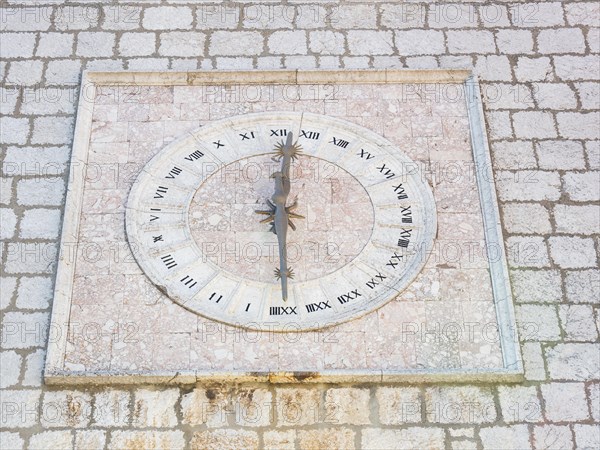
[(284, 221)]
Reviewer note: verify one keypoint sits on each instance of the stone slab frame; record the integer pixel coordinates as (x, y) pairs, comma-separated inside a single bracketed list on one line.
[(512, 369)]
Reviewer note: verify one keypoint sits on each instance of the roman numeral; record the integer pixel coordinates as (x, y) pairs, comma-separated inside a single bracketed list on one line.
[(400, 192), (245, 136), (218, 143), (391, 262), (194, 156), (279, 133), (309, 134), (388, 173), (160, 191), (153, 217), (345, 298), (312, 307), (404, 238), (339, 142), (282, 310), (364, 154), (247, 307), (214, 295), (406, 214), (157, 238), (188, 281), (174, 172), (375, 281), (169, 261)]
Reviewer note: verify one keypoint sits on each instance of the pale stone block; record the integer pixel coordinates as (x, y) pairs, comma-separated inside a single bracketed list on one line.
[(296, 407), (111, 408), (572, 252), (312, 16), (499, 124), (421, 62), (587, 436), (527, 251), (214, 17), (300, 62), (583, 286), (34, 292), (52, 130), (463, 444), (148, 64), (576, 67), (402, 439), (232, 43), (181, 43), (456, 62), (95, 44), (356, 62), (593, 40), (453, 15), (205, 406), (354, 17), (467, 432), (501, 438), (471, 41), (562, 40), (90, 439), (226, 438), (552, 437), (560, 155), (76, 17), (398, 405), (459, 404), (52, 100), (267, 17), (63, 71), (121, 439), (327, 42), (288, 43), (34, 367), (554, 96), (533, 69), (589, 94), (279, 440), (17, 45), (582, 13), (513, 155), (494, 16), (71, 409), (534, 124), (10, 368), (31, 257), (520, 404), (578, 322), (155, 408), (348, 405), (594, 396), (529, 218), (55, 45), (238, 63), (121, 17), (574, 125), (24, 330), (544, 14), (8, 99), (8, 223), (20, 408), (326, 438), (36, 18), (13, 130), (40, 224), (514, 42), (565, 402), (533, 361), (25, 73), (10, 440), (137, 44), (403, 15), (536, 286), (420, 42), (253, 407), (51, 440), (537, 322), (574, 361), (582, 187), (35, 161), (493, 68), (5, 190), (592, 150), (41, 191), (7, 289), (167, 18), (366, 42), (577, 219)]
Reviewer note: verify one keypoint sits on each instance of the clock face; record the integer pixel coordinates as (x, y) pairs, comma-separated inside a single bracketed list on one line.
[(368, 221)]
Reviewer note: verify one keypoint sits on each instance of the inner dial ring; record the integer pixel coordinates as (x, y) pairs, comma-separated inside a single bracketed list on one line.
[(163, 206)]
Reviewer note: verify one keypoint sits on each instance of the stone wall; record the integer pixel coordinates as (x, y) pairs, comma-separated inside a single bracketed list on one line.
[(538, 63)]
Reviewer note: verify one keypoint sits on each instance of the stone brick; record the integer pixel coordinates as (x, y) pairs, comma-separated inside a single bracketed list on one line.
[(420, 42), (533, 361), (300, 62), (111, 408), (578, 322), (470, 41), (13, 130), (137, 44), (583, 286), (279, 440), (565, 402), (354, 17), (8, 223), (17, 45), (527, 251), (342, 438), (459, 404), (398, 405), (8, 286), (499, 124), (167, 18), (30, 257), (594, 396), (266, 17), (533, 69), (52, 100), (562, 40), (52, 130), (24, 330), (315, 16), (50, 440), (236, 43), (501, 438), (514, 42), (76, 17), (55, 45), (421, 62), (122, 17), (215, 17), (513, 155), (10, 440), (327, 42), (574, 125), (587, 436), (95, 44), (402, 439), (238, 63), (560, 155), (20, 408), (577, 219), (576, 67), (348, 405), (10, 368), (155, 408), (453, 15), (288, 43), (572, 252), (593, 39), (40, 191), (365, 42), (520, 404), (463, 444), (8, 99), (526, 185), (582, 187), (589, 94), (529, 218), (148, 64), (253, 407), (537, 15), (537, 323), (63, 409), (5, 190), (574, 361), (552, 437), (181, 43), (582, 13), (592, 151), (34, 366), (404, 15), (296, 407), (34, 292), (150, 439), (90, 439), (26, 161), (554, 96), (533, 124), (456, 62), (63, 71), (494, 16), (25, 73), (104, 64), (224, 438), (536, 286)]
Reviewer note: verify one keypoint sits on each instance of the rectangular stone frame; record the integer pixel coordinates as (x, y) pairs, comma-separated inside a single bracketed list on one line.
[(512, 363)]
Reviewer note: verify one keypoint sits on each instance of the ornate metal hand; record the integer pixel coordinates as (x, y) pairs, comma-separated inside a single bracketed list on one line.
[(279, 214)]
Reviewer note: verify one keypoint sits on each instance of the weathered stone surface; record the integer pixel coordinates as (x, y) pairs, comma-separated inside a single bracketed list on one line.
[(578, 322), (342, 438), (520, 404), (66, 409), (155, 408), (348, 405), (297, 406), (147, 440), (500, 438), (49, 440), (111, 408), (466, 404), (538, 322), (552, 437), (225, 438), (572, 252), (565, 402), (398, 405), (574, 361), (10, 368), (402, 439)]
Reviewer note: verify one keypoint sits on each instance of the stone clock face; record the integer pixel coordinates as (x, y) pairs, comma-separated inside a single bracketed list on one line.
[(368, 221)]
